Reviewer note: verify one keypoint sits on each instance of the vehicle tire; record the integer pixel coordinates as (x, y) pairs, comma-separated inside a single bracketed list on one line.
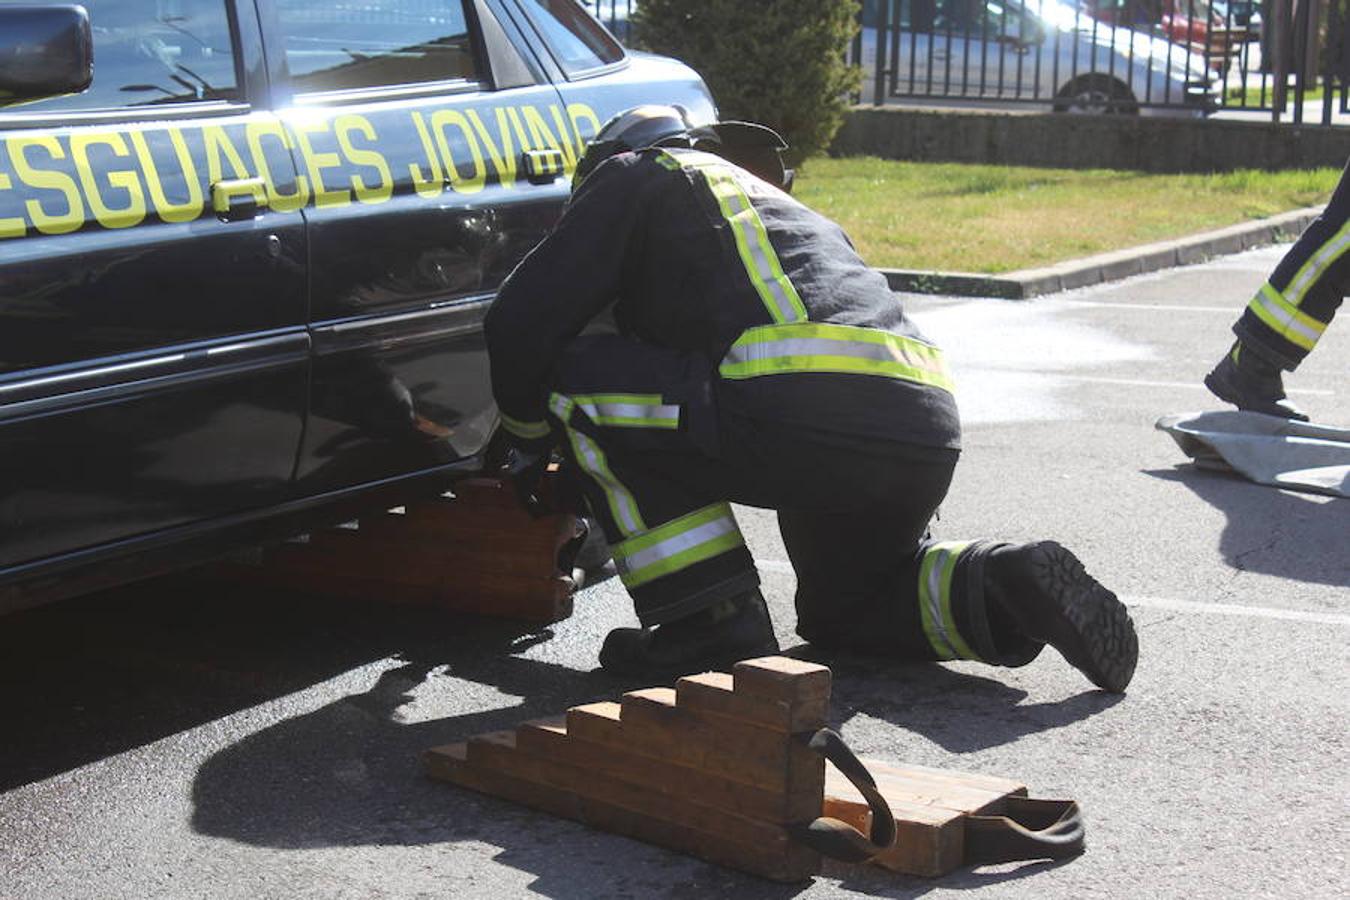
[(1096, 94)]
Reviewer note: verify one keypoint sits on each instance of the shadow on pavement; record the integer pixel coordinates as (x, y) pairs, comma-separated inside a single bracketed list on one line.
[(110, 673), (960, 712), (1271, 531), (349, 773)]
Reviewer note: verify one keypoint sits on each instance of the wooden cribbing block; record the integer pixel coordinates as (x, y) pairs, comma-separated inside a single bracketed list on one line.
[(782, 678), (549, 738), (649, 723), (930, 808), (720, 775), (713, 693), (478, 551), (499, 752), (784, 861)]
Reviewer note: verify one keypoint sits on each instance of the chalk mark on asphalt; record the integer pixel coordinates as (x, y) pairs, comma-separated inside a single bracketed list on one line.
[(783, 567)]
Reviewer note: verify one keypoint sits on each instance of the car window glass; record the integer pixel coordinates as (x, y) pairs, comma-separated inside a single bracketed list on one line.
[(373, 43), (577, 41), (152, 53)]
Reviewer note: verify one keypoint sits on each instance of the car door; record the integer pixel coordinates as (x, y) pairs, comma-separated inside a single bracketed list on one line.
[(153, 351), (433, 154)]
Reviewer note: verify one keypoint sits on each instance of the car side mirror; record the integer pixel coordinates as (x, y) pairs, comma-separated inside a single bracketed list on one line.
[(45, 51)]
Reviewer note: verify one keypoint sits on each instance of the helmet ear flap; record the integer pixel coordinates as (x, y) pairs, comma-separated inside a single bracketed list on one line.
[(753, 147)]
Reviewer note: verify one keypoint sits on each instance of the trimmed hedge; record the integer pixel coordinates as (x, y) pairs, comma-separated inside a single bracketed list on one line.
[(776, 62)]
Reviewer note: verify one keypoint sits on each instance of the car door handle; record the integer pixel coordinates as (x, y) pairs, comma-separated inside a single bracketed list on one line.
[(543, 166), (237, 200)]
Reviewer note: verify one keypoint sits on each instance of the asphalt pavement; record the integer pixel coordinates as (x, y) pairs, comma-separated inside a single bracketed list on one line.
[(185, 739)]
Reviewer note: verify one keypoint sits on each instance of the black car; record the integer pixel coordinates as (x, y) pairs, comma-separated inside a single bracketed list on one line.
[(244, 262)]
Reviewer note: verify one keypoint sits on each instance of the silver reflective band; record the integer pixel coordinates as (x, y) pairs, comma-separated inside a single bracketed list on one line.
[(672, 546), (759, 352), (1315, 267), (665, 415), (622, 505), (763, 271)]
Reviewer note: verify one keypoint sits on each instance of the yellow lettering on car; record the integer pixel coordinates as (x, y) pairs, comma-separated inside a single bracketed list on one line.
[(254, 132), (219, 149), (542, 137), (442, 119), (433, 183), (46, 179), (316, 162), (167, 210), (569, 150), (517, 126), (344, 126), (10, 226), (577, 113), (504, 159), (133, 213)]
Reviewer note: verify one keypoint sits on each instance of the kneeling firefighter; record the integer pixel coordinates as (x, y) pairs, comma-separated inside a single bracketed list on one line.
[(692, 336)]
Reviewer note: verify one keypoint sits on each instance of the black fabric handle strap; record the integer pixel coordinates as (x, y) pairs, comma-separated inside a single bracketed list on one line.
[(1027, 829), (833, 837)]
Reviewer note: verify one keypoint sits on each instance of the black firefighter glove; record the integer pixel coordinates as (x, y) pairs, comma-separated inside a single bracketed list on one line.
[(525, 468)]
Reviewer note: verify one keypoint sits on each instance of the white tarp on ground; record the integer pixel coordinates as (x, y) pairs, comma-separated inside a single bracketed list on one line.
[(1282, 453)]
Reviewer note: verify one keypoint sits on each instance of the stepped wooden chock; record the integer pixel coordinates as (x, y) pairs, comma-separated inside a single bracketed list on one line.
[(718, 767)]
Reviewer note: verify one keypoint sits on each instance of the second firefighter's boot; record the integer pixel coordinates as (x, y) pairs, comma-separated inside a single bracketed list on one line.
[(1042, 591), (713, 638), (1249, 382)]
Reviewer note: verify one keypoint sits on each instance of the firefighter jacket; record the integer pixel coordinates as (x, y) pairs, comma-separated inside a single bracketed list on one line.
[(764, 299)]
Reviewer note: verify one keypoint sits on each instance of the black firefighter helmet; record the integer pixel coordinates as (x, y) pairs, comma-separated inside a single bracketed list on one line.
[(755, 148)]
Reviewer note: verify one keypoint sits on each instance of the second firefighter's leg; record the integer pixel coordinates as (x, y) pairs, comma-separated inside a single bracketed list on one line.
[(1288, 315)]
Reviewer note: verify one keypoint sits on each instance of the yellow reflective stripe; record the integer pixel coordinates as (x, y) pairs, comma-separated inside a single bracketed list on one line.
[(761, 263), (677, 545), (623, 508), (1317, 265), (1285, 319), (822, 347), (523, 429), (935, 600)]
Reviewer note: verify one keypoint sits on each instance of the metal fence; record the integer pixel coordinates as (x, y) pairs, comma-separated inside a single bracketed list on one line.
[(1109, 56), (1287, 58), (616, 15)]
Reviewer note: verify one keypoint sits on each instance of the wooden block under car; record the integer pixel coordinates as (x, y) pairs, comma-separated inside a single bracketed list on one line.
[(477, 551)]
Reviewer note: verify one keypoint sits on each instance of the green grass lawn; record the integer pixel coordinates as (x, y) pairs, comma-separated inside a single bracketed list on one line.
[(970, 218)]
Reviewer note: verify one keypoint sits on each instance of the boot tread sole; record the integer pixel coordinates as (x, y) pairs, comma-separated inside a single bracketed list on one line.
[(1099, 619)]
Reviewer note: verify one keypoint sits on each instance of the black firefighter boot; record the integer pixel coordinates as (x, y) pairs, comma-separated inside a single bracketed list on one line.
[(1249, 382), (1042, 591), (713, 638)]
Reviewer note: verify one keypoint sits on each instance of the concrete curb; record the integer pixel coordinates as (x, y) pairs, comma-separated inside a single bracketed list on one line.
[(1027, 283)]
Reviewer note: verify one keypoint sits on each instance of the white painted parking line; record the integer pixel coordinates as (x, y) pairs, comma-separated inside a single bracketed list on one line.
[(1139, 382), (783, 567), (1233, 609), (1233, 311)]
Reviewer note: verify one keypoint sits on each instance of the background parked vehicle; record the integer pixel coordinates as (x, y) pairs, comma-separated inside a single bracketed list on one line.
[(243, 272), (1041, 50)]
